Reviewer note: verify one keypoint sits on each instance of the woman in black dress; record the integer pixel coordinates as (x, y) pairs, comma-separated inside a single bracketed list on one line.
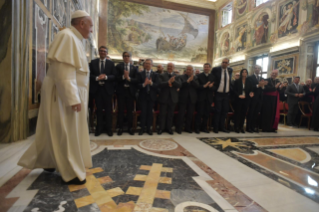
[(243, 92)]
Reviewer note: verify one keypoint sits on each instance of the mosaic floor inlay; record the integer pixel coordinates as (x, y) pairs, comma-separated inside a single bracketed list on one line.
[(292, 162), (133, 175)]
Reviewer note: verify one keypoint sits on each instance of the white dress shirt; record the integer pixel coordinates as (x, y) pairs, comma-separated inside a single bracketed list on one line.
[(222, 82), (100, 65)]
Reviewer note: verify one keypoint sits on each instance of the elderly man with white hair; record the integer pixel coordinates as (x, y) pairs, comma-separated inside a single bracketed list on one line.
[(187, 99), (62, 141), (270, 109), (169, 84)]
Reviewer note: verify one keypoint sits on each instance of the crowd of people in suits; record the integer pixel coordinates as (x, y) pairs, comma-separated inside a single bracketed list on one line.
[(212, 91)]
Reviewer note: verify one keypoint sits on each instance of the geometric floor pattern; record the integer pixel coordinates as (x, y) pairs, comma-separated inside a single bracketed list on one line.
[(162, 175), (291, 161)]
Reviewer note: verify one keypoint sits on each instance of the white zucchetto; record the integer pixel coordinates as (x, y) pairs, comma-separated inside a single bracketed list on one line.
[(79, 14)]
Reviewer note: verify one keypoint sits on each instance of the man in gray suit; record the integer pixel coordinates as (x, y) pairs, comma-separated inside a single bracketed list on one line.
[(294, 93), (168, 97), (187, 99)]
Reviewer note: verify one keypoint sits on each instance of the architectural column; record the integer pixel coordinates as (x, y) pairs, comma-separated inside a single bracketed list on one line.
[(103, 23)]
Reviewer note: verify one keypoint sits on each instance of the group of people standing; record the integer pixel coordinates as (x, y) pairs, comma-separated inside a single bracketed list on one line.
[(211, 91)]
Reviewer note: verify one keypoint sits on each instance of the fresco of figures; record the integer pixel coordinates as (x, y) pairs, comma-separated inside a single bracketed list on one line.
[(225, 44), (288, 18), (240, 6), (240, 41), (315, 14), (261, 29), (158, 33)]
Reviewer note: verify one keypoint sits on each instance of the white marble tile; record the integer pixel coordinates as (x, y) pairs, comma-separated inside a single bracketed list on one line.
[(303, 207), (8, 175), (22, 187), (274, 195), (214, 194)]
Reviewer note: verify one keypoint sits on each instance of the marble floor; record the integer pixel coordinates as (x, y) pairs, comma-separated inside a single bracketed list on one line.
[(175, 173)]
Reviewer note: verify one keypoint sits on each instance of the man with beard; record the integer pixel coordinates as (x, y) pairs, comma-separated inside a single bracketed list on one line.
[(222, 86), (160, 69), (270, 113), (168, 97), (205, 98), (254, 103)]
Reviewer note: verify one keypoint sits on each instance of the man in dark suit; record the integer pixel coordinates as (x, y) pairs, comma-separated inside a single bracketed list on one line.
[(102, 78), (294, 93), (147, 84), (126, 90), (204, 98), (255, 103), (168, 97), (187, 99), (222, 88)]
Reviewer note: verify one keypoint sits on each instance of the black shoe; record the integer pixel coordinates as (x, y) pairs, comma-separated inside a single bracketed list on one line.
[(170, 132), (131, 131), (188, 130), (110, 133), (236, 131), (178, 131), (205, 130), (141, 132), (120, 132), (255, 130), (315, 129), (159, 132), (97, 132), (150, 132), (197, 131), (225, 131), (49, 170), (76, 181), (242, 131), (250, 130), (215, 131)]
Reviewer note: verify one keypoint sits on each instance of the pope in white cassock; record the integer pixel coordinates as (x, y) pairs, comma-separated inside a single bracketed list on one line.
[(62, 140)]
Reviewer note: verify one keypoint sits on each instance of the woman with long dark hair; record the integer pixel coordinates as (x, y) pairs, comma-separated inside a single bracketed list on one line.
[(243, 91)]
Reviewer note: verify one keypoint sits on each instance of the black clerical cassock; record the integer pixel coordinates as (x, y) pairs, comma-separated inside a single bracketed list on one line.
[(270, 109)]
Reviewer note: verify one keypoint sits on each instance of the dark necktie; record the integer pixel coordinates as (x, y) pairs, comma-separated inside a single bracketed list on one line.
[(169, 76), (148, 86), (257, 78), (225, 81), (126, 69), (102, 66)]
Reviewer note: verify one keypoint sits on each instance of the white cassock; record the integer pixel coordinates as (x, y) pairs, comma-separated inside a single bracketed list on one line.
[(62, 138)]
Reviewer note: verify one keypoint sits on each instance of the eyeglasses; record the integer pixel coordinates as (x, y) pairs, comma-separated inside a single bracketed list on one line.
[(225, 62), (102, 51), (126, 56)]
